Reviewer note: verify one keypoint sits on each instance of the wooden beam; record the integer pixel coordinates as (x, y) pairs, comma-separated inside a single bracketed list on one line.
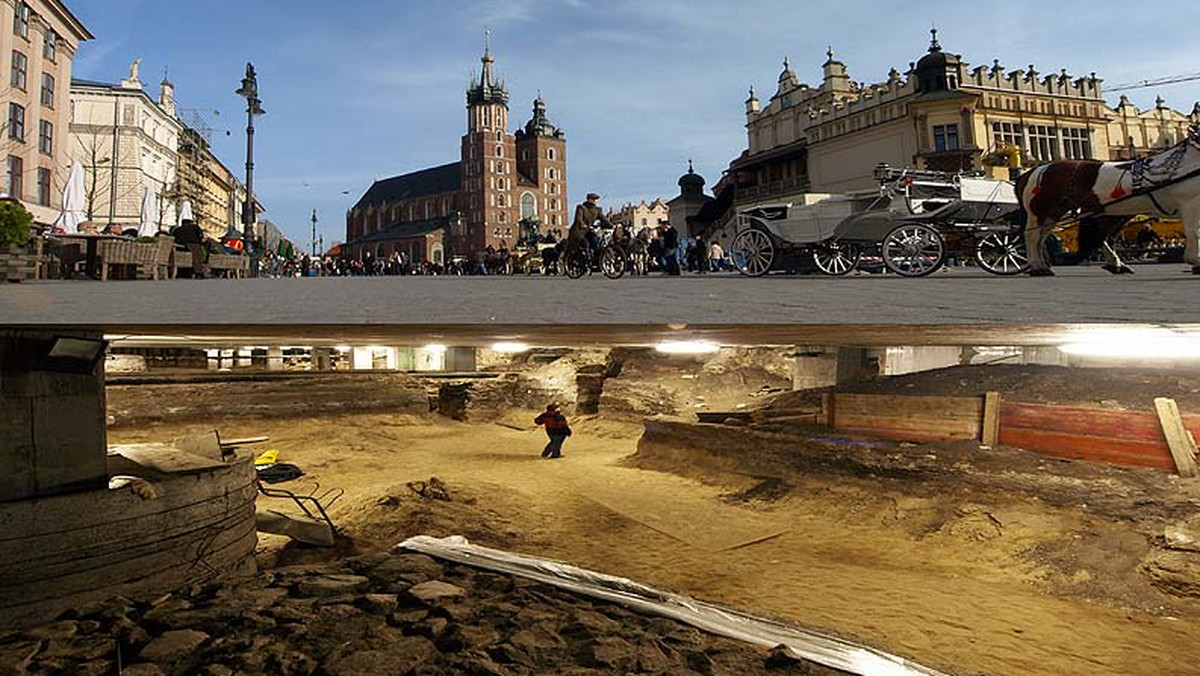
[(1183, 448), (990, 435), (827, 409)]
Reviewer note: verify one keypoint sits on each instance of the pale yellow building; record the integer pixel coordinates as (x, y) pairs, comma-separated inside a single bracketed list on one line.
[(38, 42), (941, 114), (215, 193), (640, 215), (127, 141)]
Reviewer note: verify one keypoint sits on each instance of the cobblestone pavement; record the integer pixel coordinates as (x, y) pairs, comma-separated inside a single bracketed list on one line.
[(1156, 294)]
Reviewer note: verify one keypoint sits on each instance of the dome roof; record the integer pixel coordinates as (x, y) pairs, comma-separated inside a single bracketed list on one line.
[(691, 179), (936, 58)]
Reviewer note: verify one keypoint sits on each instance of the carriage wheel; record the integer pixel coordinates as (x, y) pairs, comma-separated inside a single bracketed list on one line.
[(753, 252), (836, 258), (576, 265), (1002, 253), (914, 250), (613, 262)]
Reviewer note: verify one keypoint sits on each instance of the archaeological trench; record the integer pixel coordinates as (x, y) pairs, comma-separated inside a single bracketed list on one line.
[(935, 510)]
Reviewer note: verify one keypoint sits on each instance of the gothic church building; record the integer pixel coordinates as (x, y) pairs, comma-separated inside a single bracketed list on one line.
[(502, 182)]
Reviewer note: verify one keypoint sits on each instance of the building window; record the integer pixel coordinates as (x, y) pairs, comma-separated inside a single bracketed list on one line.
[(50, 46), (21, 20), (499, 151), (1077, 144), (1008, 132), (20, 68), (945, 137), (15, 183), (43, 186), (499, 137), (16, 121), (47, 90), (1043, 143), (528, 206), (550, 154), (46, 137), (503, 216)]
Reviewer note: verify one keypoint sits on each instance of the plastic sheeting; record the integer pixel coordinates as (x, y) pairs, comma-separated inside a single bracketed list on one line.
[(821, 648)]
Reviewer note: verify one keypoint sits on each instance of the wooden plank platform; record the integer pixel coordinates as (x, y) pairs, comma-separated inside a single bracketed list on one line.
[(907, 418), (1123, 438)]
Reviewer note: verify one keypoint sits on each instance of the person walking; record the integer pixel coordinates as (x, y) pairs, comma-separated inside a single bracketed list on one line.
[(556, 428)]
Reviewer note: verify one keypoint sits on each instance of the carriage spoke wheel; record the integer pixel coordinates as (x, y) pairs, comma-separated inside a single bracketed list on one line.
[(613, 262), (836, 258), (914, 250), (753, 252), (1002, 253)]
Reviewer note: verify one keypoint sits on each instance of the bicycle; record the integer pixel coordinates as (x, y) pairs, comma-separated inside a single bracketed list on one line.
[(611, 260)]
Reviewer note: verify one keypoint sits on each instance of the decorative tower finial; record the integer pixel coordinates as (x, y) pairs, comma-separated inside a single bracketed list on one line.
[(934, 46), (829, 52), (487, 42), (690, 169), (787, 64), (752, 91)]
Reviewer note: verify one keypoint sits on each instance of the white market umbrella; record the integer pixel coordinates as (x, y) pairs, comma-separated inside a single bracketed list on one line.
[(73, 201), (149, 225), (185, 212)]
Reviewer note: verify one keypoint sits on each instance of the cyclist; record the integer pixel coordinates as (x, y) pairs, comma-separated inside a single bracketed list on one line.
[(582, 229)]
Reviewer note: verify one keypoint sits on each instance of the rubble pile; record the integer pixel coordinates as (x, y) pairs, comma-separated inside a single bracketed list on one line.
[(377, 614)]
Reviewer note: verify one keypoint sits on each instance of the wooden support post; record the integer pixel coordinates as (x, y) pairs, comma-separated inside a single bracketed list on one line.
[(1183, 447), (990, 434), (827, 409)]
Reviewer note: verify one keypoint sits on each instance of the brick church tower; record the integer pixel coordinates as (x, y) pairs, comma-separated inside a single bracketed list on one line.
[(506, 178), (542, 171)]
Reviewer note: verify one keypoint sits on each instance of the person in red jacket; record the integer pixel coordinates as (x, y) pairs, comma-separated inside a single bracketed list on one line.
[(556, 428)]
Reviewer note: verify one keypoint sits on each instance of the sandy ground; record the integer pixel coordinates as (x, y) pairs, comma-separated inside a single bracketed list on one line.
[(956, 593)]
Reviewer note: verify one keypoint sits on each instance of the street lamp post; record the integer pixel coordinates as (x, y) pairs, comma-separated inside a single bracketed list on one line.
[(314, 235), (249, 91)]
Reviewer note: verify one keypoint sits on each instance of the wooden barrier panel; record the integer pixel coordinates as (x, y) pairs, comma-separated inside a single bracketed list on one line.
[(907, 418), (1125, 438)]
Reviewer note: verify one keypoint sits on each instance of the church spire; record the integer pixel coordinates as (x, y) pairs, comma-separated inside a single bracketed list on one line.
[(487, 88)]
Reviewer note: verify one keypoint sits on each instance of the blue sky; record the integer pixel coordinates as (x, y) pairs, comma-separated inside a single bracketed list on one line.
[(361, 89)]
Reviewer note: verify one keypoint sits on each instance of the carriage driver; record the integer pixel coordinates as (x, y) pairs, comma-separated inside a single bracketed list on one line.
[(586, 217)]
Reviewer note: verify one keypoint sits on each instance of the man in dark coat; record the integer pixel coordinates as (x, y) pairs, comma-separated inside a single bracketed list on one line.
[(556, 428), (586, 216), (670, 244), (191, 237)]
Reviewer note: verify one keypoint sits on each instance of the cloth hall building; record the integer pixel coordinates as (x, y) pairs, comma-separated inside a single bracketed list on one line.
[(502, 182)]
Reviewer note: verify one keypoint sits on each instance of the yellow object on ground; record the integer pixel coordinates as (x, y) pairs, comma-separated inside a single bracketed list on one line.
[(267, 458)]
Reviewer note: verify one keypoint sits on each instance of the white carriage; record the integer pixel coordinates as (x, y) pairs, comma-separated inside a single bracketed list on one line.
[(914, 223)]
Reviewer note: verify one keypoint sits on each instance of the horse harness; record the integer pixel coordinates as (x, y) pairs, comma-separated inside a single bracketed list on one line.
[(1139, 168)]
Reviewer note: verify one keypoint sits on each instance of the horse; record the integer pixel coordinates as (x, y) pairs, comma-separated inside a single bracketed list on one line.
[(1105, 195), (639, 252)]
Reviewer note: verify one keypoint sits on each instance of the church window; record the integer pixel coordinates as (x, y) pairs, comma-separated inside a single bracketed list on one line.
[(472, 152), (499, 137), (503, 217), (528, 205), (487, 117), (550, 154), (491, 199)]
